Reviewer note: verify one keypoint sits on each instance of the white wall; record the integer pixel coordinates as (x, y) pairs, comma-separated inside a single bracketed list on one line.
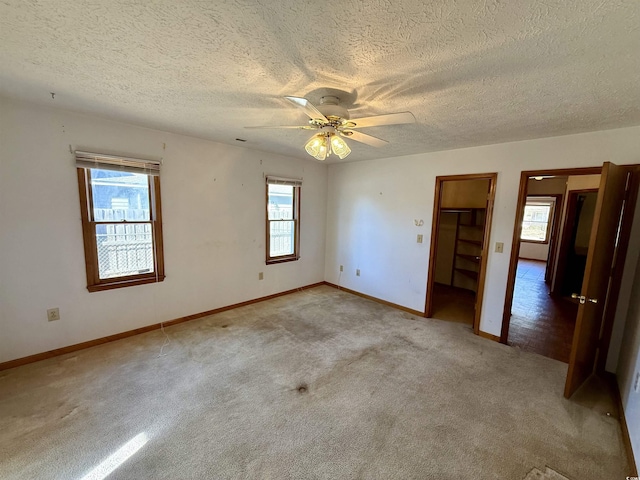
[(629, 366), (534, 251), (372, 206), (213, 221)]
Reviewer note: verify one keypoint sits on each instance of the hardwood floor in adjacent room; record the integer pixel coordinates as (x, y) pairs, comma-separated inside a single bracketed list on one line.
[(540, 323)]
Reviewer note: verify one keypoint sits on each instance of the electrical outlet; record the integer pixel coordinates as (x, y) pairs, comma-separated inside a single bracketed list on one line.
[(636, 387), (358, 272), (420, 238), (53, 314), (260, 275), (341, 268), (499, 247)]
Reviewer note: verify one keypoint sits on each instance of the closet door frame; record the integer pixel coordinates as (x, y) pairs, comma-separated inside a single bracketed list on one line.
[(486, 242)]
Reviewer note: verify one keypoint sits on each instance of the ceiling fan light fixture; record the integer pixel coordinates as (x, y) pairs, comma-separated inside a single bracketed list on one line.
[(333, 121), (324, 144)]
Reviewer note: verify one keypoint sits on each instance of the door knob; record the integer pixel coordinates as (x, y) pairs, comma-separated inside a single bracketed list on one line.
[(583, 299)]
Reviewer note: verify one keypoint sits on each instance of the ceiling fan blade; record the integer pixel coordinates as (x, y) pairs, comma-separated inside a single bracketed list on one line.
[(376, 120), (364, 138), (312, 112), (299, 127)]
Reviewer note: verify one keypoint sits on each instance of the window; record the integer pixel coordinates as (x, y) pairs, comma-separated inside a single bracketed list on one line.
[(536, 223), (121, 220), (283, 219)]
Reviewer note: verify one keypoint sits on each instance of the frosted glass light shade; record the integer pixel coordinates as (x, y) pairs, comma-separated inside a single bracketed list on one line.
[(317, 147), (339, 147), (322, 154)]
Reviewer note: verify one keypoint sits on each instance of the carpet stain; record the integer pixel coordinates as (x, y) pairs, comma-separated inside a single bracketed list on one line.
[(302, 388), (304, 332), (70, 413), (406, 342), (548, 474), (341, 368), (372, 350)]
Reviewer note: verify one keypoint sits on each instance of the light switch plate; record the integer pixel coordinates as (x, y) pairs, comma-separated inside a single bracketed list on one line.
[(499, 247)]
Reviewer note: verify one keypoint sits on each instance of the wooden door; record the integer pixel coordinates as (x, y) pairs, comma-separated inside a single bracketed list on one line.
[(597, 276)]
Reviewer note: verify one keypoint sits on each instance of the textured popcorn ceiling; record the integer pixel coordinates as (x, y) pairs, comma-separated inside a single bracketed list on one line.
[(472, 72)]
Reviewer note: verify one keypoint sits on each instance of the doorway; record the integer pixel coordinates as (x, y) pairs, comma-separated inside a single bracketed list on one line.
[(462, 214), (583, 270), (541, 323)]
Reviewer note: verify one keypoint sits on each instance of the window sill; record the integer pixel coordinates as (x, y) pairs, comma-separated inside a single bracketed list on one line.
[(534, 241), (273, 261), (124, 283)]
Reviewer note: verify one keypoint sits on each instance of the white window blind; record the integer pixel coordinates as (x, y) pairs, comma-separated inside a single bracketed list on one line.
[(294, 182), (121, 164)]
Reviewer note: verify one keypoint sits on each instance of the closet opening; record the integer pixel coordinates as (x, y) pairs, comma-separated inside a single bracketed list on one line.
[(459, 246)]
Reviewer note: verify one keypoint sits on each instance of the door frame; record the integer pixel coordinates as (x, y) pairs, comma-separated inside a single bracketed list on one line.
[(618, 269), (482, 270), (553, 238), (517, 230), (556, 288)]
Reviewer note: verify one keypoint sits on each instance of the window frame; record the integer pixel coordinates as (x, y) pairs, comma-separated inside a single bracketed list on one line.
[(552, 211), (94, 282), (296, 229)]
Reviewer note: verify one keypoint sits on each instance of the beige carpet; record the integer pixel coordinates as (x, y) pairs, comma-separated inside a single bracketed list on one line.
[(320, 384), (548, 474)]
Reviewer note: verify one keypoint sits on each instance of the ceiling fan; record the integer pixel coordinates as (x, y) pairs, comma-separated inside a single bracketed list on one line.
[(333, 122)]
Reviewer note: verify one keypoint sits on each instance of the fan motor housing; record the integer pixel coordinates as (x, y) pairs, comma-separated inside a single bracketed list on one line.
[(330, 107)]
